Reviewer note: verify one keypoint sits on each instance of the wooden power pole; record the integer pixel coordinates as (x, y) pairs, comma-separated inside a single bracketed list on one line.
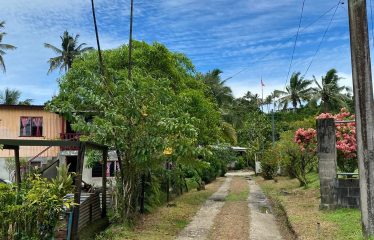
[(364, 106), (130, 37)]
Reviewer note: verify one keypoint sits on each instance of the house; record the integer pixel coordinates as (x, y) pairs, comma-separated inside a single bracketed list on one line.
[(34, 122)]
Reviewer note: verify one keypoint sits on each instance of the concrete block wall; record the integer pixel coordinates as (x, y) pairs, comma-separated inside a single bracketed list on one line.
[(347, 193)]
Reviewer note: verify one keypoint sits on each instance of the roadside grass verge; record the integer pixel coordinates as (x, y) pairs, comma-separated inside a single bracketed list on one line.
[(164, 222), (300, 207)]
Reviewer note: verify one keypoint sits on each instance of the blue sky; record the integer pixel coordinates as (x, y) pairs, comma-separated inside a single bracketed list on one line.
[(229, 35)]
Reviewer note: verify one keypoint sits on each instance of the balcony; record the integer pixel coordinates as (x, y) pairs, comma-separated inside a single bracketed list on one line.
[(69, 137)]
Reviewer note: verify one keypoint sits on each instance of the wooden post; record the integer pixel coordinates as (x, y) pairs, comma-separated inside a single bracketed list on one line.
[(327, 161), (142, 195), (364, 109), (103, 194), (18, 166), (168, 182), (78, 189)]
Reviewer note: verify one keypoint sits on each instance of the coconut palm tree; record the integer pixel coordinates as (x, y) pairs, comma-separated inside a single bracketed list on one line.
[(3, 47), (70, 49), (332, 95), (11, 97), (219, 91), (296, 92)]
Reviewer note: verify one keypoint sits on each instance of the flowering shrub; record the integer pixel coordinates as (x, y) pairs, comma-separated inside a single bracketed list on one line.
[(303, 162), (345, 140), (306, 139), (346, 144)]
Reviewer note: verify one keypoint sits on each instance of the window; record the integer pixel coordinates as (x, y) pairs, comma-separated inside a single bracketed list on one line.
[(110, 169), (31, 127)]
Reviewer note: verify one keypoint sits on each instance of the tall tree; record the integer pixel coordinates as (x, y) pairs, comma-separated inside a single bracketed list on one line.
[(219, 91), (3, 46), (70, 49), (299, 90), (141, 116), (11, 97), (332, 95)]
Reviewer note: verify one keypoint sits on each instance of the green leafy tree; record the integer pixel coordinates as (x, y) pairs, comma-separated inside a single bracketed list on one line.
[(255, 133), (70, 49), (11, 97), (3, 46), (333, 97), (299, 90), (162, 107)]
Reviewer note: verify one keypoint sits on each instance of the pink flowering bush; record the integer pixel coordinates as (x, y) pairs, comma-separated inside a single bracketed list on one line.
[(305, 160), (306, 139), (346, 144)]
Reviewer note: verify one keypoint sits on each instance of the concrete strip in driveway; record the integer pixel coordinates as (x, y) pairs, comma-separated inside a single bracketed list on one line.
[(262, 222), (201, 224)]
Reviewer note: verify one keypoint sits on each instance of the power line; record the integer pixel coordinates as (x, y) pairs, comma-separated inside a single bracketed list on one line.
[(295, 43), (323, 38), (302, 30)]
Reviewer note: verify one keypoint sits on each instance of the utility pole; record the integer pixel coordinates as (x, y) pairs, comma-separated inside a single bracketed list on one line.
[(130, 37), (364, 106), (101, 64)]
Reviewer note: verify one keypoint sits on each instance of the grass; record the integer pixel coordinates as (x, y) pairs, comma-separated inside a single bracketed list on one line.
[(89, 232), (300, 206), (165, 222), (348, 222), (236, 197)]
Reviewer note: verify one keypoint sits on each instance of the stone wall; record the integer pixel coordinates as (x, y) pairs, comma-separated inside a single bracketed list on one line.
[(347, 193)]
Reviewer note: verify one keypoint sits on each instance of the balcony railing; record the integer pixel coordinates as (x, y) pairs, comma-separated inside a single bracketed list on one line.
[(69, 137)]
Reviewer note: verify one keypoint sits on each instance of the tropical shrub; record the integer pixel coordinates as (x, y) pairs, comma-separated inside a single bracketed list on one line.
[(240, 163), (305, 161), (32, 211), (270, 163), (346, 144)]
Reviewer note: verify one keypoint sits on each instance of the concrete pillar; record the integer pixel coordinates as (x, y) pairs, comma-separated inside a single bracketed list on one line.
[(327, 166)]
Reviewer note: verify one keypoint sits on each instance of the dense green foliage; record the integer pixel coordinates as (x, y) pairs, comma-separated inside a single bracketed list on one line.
[(32, 211), (167, 122), (164, 106)]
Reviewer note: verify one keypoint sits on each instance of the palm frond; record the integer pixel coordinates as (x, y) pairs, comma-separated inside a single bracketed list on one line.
[(2, 64), (7, 46), (55, 49)]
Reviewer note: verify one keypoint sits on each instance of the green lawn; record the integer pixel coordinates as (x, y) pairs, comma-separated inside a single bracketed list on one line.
[(301, 207)]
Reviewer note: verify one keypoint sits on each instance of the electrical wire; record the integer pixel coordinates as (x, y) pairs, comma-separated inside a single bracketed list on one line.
[(295, 43), (302, 30), (323, 38)]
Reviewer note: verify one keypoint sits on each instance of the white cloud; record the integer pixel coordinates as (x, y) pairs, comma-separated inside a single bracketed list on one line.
[(229, 35)]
